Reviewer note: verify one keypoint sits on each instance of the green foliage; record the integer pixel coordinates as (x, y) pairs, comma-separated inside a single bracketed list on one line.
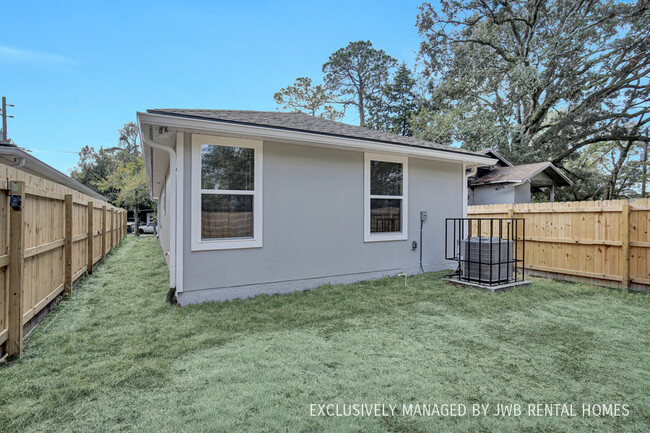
[(117, 172), (536, 80), (117, 357), (302, 97), (358, 72), (93, 168), (129, 182), (392, 109)]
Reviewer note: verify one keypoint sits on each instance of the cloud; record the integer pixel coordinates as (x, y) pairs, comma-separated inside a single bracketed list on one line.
[(11, 55)]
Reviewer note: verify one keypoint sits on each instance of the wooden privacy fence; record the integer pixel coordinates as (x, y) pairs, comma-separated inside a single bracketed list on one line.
[(47, 243), (599, 242)]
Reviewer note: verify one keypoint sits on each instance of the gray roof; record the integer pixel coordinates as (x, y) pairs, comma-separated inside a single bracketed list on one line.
[(521, 173), (9, 153), (494, 154), (305, 123)]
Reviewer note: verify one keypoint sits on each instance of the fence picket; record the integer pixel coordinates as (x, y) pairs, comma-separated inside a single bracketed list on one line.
[(601, 242), (50, 238)]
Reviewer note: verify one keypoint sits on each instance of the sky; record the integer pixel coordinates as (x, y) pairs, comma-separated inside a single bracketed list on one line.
[(77, 71)]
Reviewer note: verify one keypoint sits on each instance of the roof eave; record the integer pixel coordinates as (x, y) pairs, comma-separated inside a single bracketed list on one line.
[(39, 168), (312, 138), (558, 173), (492, 182), (498, 156)]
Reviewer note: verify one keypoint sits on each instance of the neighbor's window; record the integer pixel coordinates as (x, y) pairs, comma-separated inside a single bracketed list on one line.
[(229, 194), (385, 198)]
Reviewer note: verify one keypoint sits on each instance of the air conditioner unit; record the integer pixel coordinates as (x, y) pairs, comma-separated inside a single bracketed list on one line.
[(486, 260)]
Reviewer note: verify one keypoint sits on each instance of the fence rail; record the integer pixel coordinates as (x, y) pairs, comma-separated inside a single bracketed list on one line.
[(600, 242), (47, 244)]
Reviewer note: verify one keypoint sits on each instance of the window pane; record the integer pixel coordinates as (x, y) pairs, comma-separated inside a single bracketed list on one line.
[(385, 178), (226, 216), (227, 167), (385, 215)]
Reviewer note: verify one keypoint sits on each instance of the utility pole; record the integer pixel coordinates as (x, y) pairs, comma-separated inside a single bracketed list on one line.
[(645, 169), (4, 118)]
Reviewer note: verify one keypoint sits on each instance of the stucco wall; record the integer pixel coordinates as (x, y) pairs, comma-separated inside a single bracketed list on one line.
[(522, 193), (313, 226), (164, 229), (491, 194)]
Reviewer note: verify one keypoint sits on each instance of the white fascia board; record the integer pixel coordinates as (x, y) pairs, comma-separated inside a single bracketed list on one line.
[(494, 182), (147, 168), (313, 139)]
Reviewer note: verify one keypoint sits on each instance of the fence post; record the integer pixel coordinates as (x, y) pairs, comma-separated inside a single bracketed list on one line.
[(68, 244), (103, 233), (625, 254), (91, 254), (16, 270), (112, 229)]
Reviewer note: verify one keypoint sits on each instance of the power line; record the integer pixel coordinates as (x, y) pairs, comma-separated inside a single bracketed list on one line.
[(35, 149)]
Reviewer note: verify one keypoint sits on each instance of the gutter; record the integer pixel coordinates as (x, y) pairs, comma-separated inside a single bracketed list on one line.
[(314, 138), (174, 256), (467, 173), (26, 162)]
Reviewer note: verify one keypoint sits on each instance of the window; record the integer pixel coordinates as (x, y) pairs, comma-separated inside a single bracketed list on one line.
[(226, 193), (385, 198)]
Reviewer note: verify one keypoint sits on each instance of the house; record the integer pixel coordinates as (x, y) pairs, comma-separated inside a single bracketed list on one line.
[(13, 156), (268, 202), (145, 216), (507, 183)]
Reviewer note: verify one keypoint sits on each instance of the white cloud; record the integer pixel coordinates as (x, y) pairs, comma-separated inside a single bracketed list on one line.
[(9, 54)]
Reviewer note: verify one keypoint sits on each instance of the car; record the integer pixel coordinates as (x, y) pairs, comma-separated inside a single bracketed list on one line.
[(149, 228)]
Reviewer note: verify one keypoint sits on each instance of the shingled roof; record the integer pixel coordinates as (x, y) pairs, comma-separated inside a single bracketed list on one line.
[(305, 123), (522, 173)]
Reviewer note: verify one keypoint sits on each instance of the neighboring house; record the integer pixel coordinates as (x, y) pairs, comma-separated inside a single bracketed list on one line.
[(507, 183), (271, 202), (145, 216), (16, 157)]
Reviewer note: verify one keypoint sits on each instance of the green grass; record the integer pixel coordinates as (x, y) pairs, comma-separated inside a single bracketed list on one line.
[(116, 357)]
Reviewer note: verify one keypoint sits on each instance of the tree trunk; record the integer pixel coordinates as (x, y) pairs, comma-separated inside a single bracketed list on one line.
[(136, 218), (644, 168), (362, 111), (610, 190)]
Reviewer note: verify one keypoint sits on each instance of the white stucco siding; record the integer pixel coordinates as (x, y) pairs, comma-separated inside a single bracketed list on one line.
[(493, 194), (313, 226), (164, 229)]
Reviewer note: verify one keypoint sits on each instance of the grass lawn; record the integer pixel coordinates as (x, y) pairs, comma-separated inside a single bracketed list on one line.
[(117, 357)]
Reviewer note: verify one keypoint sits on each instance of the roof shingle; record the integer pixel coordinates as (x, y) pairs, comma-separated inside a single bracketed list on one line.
[(305, 123), (520, 173)]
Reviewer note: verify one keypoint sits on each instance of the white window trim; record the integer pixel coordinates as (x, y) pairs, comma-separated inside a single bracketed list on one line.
[(197, 243), (378, 237)]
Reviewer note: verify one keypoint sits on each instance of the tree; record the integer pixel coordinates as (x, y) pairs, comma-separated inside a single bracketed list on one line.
[(116, 172), (302, 97), (541, 79), (93, 168), (130, 182), (392, 109), (358, 72), (128, 141)]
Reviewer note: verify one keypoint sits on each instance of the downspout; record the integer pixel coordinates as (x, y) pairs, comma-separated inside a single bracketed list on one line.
[(467, 173), (19, 161), (172, 217)]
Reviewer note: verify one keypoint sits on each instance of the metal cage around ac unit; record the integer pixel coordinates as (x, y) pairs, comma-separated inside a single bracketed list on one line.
[(488, 251)]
